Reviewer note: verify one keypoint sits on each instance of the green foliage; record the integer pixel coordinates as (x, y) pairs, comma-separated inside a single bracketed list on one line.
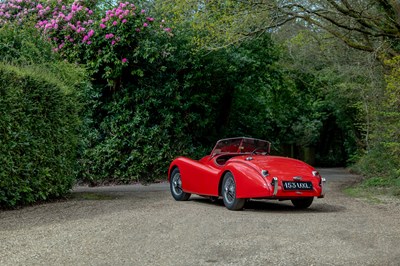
[(391, 112), (23, 45), (378, 163), (179, 105), (39, 120), (383, 159)]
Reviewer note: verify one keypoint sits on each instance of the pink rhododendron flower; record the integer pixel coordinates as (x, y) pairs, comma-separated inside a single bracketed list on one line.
[(115, 23), (102, 26), (90, 33), (124, 21), (109, 36), (124, 60), (145, 24)]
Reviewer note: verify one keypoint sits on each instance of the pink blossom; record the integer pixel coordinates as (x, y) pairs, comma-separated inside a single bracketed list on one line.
[(145, 25), (90, 33), (124, 21), (39, 6), (109, 36), (167, 29), (102, 26), (150, 19), (124, 60), (115, 23), (143, 11), (112, 42)]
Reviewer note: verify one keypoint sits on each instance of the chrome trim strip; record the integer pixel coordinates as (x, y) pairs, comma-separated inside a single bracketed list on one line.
[(275, 184)]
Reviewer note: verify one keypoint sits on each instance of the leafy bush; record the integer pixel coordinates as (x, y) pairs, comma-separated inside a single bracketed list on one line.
[(379, 165), (23, 45), (39, 120)]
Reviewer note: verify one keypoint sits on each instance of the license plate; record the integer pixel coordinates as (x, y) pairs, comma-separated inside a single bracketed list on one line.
[(289, 185)]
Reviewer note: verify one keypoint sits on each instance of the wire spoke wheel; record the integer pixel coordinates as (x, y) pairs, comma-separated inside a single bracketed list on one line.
[(176, 186), (229, 193)]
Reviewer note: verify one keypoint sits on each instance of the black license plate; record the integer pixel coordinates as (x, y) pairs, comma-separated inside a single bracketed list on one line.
[(289, 185)]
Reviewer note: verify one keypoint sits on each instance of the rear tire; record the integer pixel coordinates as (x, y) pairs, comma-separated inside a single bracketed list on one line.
[(229, 193), (175, 186), (302, 203)]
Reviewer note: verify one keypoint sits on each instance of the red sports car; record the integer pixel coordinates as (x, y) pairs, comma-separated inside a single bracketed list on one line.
[(239, 169)]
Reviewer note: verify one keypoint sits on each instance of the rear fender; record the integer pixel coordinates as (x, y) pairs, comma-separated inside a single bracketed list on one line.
[(249, 182)]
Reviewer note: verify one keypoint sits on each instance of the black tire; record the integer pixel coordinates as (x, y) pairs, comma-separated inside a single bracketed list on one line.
[(175, 186), (302, 203), (229, 193)]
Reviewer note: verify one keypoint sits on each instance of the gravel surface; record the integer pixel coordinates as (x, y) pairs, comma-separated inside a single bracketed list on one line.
[(143, 225)]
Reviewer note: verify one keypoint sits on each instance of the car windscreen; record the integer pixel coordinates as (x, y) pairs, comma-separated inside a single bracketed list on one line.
[(240, 145)]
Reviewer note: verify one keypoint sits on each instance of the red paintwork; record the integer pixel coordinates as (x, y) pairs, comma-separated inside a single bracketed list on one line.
[(204, 177)]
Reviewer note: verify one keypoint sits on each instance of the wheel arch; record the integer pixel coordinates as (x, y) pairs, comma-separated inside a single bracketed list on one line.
[(171, 169), (250, 183), (221, 180)]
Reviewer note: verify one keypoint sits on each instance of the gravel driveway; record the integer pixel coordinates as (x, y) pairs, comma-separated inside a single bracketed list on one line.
[(136, 225)]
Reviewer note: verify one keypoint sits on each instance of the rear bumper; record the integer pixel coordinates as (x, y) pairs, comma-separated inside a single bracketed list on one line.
[(279, 193)]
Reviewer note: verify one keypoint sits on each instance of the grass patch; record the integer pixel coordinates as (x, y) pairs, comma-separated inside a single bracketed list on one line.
[(375, 189), (359, 192)]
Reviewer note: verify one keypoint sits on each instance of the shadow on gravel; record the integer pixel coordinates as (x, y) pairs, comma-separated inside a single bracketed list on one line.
[(276, 206)]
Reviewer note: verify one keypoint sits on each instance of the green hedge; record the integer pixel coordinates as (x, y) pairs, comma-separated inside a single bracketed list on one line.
[(39, 118)]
